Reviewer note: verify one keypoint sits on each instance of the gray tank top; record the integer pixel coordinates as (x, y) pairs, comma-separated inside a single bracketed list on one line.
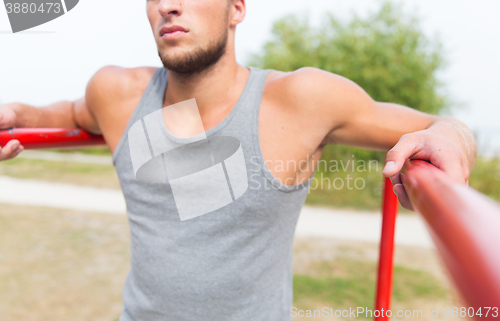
[(232, 263)]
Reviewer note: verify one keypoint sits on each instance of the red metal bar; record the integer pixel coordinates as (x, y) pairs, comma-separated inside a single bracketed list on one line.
[(465, 227), (464, 224), (385, 265), (38, 138)]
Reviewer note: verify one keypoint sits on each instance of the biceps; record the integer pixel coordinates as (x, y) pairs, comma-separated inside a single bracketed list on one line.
[(379, 126), (84, 117)]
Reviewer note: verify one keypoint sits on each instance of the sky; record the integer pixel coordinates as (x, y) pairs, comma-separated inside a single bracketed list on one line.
[(54, 61)]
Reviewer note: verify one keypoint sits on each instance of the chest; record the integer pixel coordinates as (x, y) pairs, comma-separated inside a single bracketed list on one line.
[(290, 146)]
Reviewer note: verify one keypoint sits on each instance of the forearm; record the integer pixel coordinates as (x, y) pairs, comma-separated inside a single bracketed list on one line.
[(60, 114), (459, 133)]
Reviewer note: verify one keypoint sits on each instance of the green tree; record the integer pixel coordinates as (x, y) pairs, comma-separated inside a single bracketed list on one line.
[(386, 53)]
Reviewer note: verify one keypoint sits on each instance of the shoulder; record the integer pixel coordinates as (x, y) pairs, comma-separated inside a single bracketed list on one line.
[(112, 85), (313, 87), (314, 100)]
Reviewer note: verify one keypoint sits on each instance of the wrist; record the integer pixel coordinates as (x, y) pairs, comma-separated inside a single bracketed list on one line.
[(459, 133)]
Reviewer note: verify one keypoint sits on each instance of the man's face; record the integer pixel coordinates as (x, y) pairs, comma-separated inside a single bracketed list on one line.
[(191, 35)]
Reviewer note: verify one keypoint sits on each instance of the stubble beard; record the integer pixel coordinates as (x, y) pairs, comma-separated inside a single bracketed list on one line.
[(198, 60)]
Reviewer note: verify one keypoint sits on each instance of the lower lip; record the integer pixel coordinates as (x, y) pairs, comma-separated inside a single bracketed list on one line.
[(173, 35)]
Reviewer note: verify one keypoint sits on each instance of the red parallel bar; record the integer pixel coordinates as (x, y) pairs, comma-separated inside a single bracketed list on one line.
[(465, 226), (385, 265), (38, 138)]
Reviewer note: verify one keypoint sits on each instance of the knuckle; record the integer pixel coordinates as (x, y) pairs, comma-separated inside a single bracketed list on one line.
[(392, 155), (406, 136), (392, 152), (466, 175)]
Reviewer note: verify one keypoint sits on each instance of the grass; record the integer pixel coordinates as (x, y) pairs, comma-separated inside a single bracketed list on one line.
[(61, 264), (341, 274), (344, 283), (95, 150), (71, 265), (103, 176)]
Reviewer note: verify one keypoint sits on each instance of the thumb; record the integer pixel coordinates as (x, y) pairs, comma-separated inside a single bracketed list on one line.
[(407, 146)]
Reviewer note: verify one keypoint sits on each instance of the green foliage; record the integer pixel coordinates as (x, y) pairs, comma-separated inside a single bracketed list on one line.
[(360, 188), (386, 54), (485, 177)]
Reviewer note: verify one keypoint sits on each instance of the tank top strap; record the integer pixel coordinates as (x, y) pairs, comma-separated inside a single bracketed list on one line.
[(253, 97), (151, 100)]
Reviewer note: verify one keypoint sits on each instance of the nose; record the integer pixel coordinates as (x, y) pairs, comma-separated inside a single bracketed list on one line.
[(170, 8)]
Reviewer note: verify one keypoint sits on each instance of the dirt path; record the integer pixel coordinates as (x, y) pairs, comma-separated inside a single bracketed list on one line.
[(313, 221)]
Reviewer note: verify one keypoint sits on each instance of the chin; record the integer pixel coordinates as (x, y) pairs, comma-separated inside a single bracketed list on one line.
[(193, 59), (174, 51), (173, 58)]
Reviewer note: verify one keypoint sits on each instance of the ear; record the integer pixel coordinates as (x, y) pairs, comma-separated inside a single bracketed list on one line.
[(237, 11)]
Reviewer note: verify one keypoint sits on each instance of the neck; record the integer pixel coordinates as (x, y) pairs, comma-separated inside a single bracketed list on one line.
[(216, 89)]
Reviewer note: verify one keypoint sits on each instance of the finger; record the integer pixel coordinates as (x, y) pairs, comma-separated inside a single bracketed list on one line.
[(400, 191), (407, 146), (396, 179), (456, 172), (10, 150), (451, 162)]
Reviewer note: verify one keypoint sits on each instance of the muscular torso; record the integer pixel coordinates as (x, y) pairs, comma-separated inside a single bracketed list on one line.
[(289, 139)]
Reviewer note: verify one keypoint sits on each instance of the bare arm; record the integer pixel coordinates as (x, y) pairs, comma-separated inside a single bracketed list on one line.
[(110, 98), (349, 116), (64, 114), (407, 134)]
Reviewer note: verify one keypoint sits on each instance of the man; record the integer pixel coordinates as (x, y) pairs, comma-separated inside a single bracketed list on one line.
[(233, 263)]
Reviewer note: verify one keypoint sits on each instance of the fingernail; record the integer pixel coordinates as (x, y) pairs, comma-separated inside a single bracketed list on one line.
[(15, 146), (389, 165), (394, 190), (19, 149)]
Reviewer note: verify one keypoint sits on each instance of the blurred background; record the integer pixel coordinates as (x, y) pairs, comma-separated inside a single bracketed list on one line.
[(64, 255)]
